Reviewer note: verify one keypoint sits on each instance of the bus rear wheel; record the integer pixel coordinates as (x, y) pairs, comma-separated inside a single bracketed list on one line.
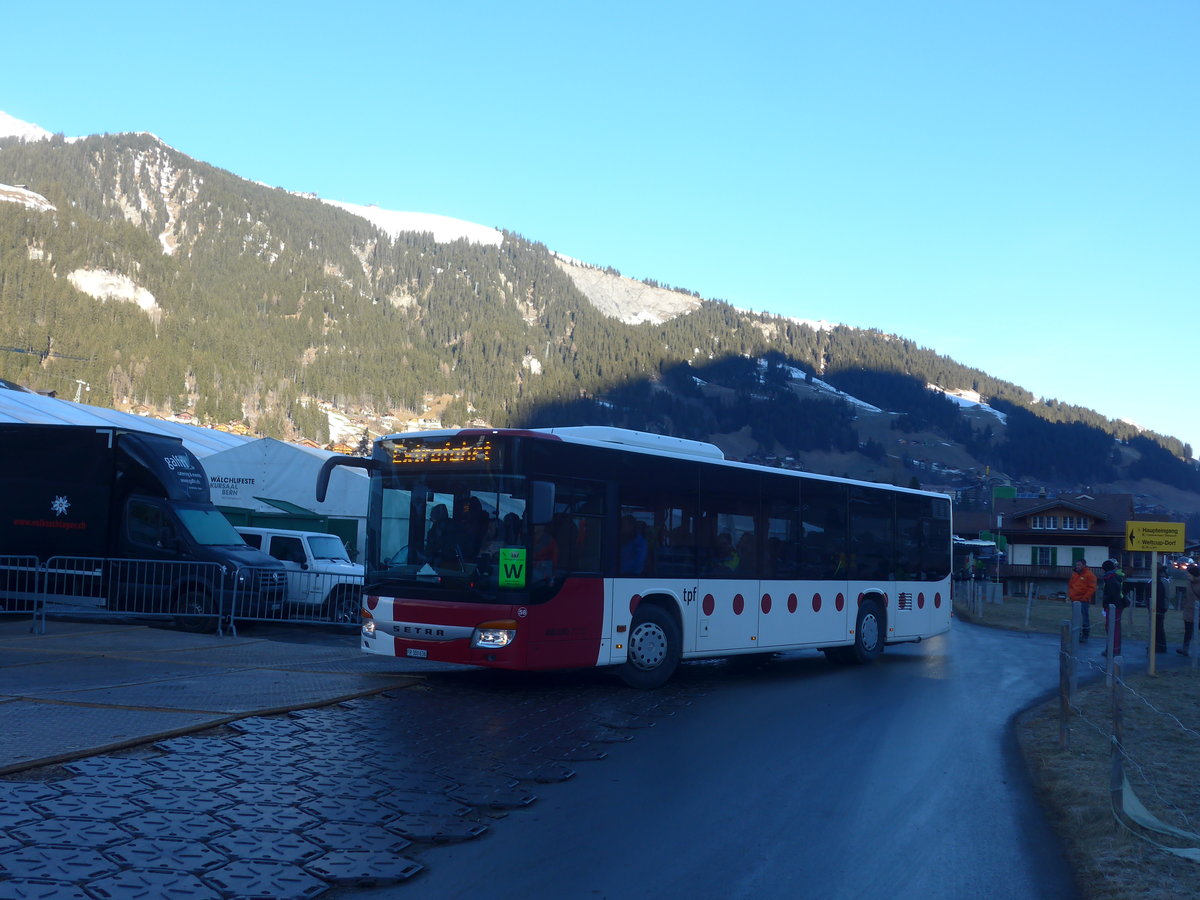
[(869, 633), (654, 649)]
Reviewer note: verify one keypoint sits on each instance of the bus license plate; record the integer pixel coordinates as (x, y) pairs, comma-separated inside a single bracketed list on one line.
[(418, 654)]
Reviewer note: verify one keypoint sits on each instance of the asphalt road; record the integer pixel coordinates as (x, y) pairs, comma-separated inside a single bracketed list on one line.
[(799, 779), (796, 778)]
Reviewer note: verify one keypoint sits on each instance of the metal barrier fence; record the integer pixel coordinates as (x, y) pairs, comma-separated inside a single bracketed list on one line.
[(315, 597), (196, 596), (19, 587)]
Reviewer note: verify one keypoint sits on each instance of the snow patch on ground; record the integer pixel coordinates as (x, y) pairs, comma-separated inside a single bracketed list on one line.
[(105, 286), (26, 131), (633, 302), (444, 228), (27, 198), (968, 400), (852, 400)]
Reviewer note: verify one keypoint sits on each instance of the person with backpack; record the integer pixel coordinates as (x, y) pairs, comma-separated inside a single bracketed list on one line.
[(1112, 593)]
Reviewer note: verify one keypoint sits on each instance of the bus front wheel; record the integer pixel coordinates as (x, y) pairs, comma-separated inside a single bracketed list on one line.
[(654, 648)]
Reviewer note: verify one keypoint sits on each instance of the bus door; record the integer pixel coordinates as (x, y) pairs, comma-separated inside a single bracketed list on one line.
[(922, 536), (656, 554), (727, 538), (824, 611), (783, 620)]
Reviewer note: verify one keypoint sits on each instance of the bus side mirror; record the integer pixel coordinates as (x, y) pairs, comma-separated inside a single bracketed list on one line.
[(333, 462), (541, 502)]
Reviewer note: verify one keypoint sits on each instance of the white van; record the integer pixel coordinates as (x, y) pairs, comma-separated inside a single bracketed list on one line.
[(322, 582)]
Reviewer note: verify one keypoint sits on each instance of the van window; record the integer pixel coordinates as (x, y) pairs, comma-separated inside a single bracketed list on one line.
[(144, 523)]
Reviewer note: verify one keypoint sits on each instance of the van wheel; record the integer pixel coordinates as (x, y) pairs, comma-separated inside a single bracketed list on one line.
[(344, 605), (654, 649), (194, 612)]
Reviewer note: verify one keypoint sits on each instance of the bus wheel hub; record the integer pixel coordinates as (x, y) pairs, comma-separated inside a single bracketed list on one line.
[(647, 646)]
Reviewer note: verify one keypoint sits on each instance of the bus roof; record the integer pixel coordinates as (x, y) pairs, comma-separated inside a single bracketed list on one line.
[(604, 435), (643, 439)]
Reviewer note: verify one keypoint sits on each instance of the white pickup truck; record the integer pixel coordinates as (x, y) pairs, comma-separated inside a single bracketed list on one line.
[(322, 581)]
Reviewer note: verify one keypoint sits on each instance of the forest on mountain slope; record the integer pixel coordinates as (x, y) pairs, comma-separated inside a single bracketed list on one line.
[(270, 302)]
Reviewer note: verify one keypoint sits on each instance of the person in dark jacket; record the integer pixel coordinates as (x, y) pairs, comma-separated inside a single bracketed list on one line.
[(1112, 589), (1160, 610), (1189, 606)]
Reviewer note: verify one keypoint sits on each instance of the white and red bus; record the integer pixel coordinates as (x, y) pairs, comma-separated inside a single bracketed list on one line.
[(590, 546)]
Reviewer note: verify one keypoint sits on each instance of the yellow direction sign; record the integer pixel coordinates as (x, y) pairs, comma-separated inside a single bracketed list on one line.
[(1165, 537)]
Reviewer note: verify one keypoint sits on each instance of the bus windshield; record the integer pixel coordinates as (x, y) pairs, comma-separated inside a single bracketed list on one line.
[(453, 527)]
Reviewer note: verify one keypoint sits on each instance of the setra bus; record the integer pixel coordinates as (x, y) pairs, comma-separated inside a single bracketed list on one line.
[(593, 546)]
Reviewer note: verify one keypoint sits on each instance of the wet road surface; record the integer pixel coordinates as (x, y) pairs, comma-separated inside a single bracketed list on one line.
[(797, 778)]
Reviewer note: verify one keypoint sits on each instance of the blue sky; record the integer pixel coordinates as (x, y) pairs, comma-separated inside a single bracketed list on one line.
[(1011, 184)]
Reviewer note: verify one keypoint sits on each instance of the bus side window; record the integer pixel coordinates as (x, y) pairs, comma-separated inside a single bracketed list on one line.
[(577, 525), (781, 500), (823, 524), (729, 519), (587, 540), (872, 533)]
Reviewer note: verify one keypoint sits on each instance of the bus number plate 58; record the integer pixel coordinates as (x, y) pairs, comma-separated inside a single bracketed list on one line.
[(418, 654)]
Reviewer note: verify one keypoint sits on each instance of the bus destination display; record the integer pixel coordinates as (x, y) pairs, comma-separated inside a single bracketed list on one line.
[(476, 450)]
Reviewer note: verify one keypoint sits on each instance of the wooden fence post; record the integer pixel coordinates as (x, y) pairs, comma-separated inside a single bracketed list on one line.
[(1117, 775), (1066, 665)]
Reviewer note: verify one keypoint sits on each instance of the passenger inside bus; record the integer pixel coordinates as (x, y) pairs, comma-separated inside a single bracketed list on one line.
[(633, 547), (724, 558), (471, 522), (439, 542)]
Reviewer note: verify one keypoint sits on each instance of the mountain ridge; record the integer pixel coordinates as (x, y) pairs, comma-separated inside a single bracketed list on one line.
[(235, 301)]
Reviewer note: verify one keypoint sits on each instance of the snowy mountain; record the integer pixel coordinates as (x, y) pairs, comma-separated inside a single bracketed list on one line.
[(12, 127), (632, 302), (443, 228), (239, 302)]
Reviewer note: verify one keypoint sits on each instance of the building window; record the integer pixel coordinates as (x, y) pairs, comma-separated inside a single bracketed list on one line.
[(1076, 523), (1044, 523), (1044, 556)]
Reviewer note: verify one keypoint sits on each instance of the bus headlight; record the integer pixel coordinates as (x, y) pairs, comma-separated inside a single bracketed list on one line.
[(368, 628), (491, 635)]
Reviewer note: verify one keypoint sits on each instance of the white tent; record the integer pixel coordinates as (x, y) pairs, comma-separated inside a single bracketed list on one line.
[(267, 475), (259, 474), (19, 405)]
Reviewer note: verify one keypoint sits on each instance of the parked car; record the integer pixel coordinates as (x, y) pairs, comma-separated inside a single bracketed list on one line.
[(322, 581)]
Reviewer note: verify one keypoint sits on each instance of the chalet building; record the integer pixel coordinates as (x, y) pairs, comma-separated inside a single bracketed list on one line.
[(1045, 535)]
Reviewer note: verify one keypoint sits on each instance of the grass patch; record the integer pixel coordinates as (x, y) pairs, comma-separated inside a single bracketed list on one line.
[(1161, 740)]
